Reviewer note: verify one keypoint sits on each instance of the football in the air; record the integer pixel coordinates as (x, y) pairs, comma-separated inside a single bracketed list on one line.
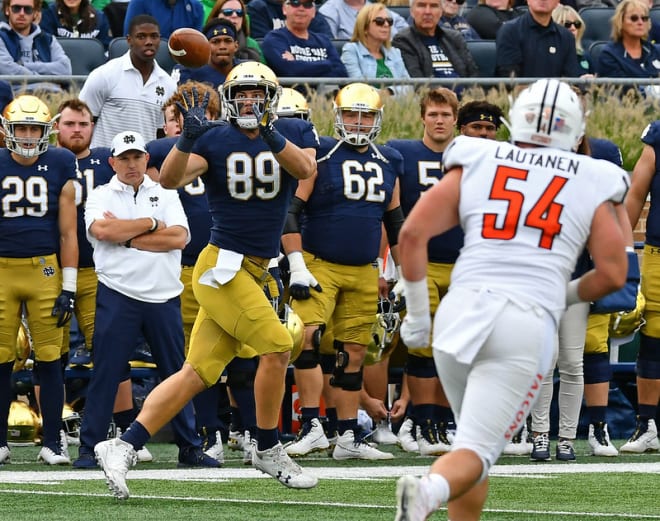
[(189, 47)]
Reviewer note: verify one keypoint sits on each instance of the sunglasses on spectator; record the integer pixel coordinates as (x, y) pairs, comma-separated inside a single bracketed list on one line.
[(459, 2), (298, 3), (18, 8), (576, 23), (380, 21), (228, 12), (636, 18)]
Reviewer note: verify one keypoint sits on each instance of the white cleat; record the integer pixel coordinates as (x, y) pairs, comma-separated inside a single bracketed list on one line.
[(518, 446), (349, 448), (249, 446), (599, 440), (144, 456), (277, 463), (406, 438), (311, 438), (116, 457), (5, 454), (383, 434), (214, 448), (49, 457), (431, 440), (235, 440), (644, 439), (410, 505)]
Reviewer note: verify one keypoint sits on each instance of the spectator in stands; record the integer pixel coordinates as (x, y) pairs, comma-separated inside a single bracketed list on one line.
[(534, 46), (222, 36), (629, 54), (171, 14), (266, 15), (297, 51), (76, 19), (341, 16), (568, 17), (128, 92), (370, 54), (236, 13), (6, 95), (452, 18), (488, 16), (429, 50), (24, 48)]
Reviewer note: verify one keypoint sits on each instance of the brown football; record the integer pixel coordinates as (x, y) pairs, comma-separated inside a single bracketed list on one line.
[(189, 47)]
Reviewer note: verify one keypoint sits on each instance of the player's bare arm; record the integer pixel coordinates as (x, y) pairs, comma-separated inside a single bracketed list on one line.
[(641, 184), (180, 168), (68, 225), (299, 162)]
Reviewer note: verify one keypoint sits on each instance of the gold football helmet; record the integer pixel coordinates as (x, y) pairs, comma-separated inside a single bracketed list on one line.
[(71, 424), (626, 323), (384, 332), (27, 110), (296, 328), (23, 348), (22, 424), (249, 75), (292, 104), (363, 99)]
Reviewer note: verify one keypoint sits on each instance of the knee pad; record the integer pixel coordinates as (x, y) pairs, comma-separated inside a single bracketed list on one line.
[(421, 367), (340, 378), (597, 368), (240, 379), (648, 358), (308, 359), (327, 363)]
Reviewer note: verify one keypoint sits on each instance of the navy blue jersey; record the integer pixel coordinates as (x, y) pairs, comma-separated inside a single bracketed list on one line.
[(93, 170), (193, 199), (342, 220), (651, 137), (423, 169), (248, 192), (30, 202)]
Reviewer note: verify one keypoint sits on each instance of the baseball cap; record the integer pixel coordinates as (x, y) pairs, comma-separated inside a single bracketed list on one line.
[(128, 140)]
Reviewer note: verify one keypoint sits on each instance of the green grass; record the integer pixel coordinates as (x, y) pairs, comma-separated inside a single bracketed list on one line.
[(625, 489)]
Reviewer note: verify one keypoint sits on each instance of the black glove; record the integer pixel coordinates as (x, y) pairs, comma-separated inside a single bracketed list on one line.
[(268, 132), (63, 308), (195, 123)]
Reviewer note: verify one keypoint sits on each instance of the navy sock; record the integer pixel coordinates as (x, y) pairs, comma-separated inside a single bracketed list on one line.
[(347, 425), (307, 414), (5, 399), (266, 438), (597, 413), (236, 420), (206, 409), (52, 401), (647, 412), (123, 419), (423, 412), (331, 427), (244, 397), (136, 435)]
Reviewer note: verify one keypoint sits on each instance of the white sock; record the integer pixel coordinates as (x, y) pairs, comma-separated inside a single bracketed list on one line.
[(436, 491)]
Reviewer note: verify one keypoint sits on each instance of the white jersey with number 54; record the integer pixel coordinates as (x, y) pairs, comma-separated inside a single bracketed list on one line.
[(527, 212)]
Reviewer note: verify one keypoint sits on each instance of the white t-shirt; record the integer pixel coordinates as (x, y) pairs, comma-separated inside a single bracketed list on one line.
[(141, 275), (117, 95), (526, 214)]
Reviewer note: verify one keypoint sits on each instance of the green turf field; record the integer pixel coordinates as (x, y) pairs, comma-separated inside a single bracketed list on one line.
[(623, 488)]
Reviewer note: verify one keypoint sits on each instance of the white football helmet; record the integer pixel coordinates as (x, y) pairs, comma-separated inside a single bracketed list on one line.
[(249, 75), (27, 110), (363, 99), (547, 113)]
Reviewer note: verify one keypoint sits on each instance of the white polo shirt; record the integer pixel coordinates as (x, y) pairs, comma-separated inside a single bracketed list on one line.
[(141, 275), (121, 101)]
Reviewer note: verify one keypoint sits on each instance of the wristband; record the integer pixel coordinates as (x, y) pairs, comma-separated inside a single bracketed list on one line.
[(572, 296), (417, 297), (296, 261), (127, 244), (630, 249), (154, 225), (69, 279), (185, 144), (380, 262), (274, 140)]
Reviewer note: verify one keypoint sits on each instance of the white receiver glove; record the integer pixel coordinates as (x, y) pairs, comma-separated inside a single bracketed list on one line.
[(416, 326)]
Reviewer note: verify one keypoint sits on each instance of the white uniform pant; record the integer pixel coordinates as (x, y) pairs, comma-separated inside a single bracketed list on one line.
[(492, 396), (569, 362)]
